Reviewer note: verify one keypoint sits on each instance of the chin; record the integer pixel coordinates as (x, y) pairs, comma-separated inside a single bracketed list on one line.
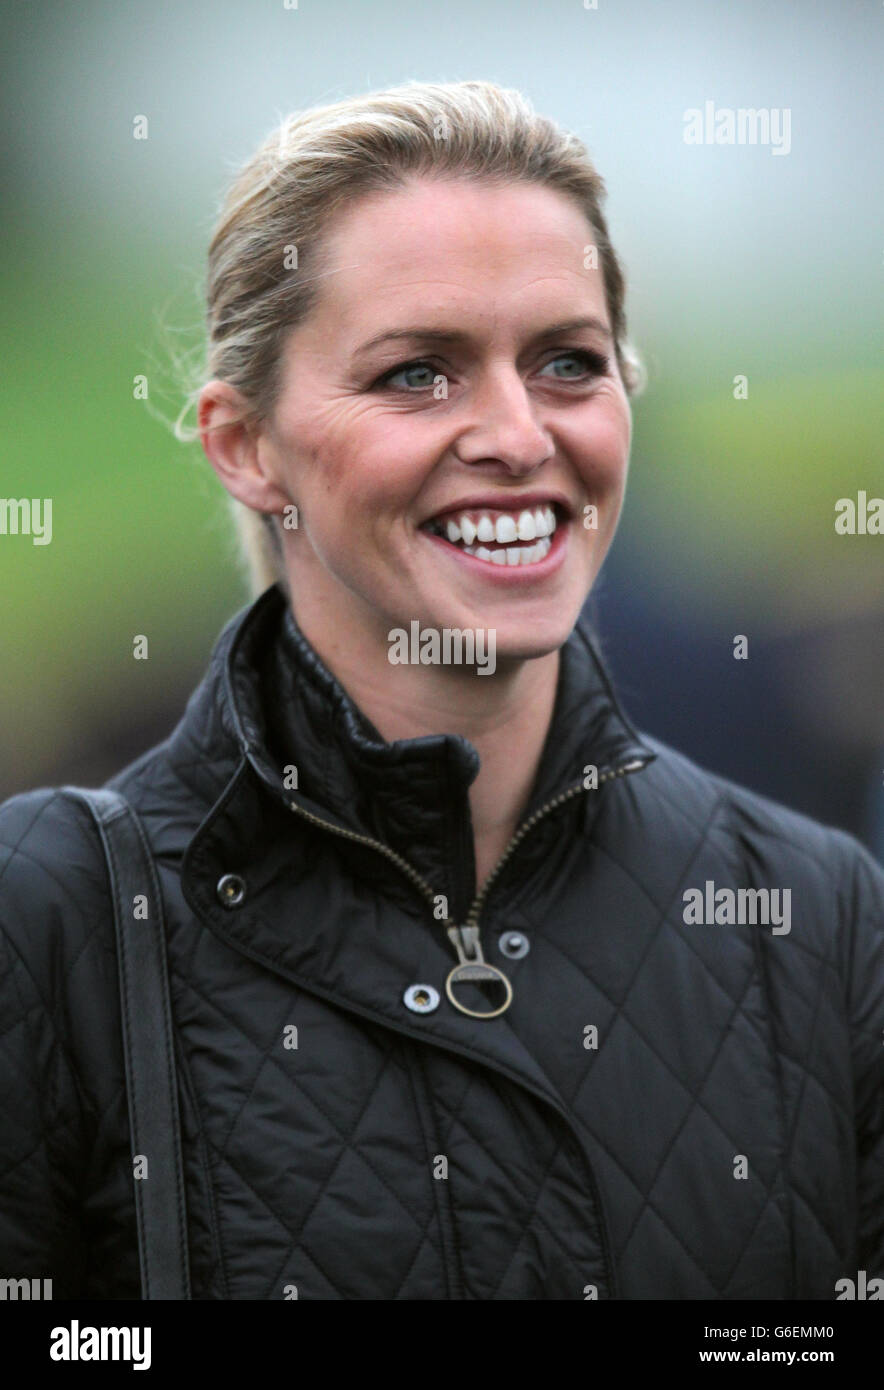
[(529, 643)]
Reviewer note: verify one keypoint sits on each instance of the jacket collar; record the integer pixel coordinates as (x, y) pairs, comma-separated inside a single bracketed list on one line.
[(269, 698), (214, 797)]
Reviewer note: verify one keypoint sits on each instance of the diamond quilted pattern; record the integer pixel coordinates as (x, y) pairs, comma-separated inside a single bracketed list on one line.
[(564, 1165)]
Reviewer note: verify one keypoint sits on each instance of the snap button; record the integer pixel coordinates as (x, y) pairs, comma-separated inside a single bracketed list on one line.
[(421, 999), (231, 889), (514, 944)]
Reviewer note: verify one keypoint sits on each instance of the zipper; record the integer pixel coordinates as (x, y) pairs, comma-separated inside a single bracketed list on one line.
[(472, 919), (472, 966)]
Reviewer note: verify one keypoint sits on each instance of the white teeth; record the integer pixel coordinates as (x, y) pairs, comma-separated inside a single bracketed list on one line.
[(512, 555), (537, 524), (534, 553), (505, 530), (527, 527)]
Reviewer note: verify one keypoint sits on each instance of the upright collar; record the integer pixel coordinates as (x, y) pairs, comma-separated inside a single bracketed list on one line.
[(306, 740)]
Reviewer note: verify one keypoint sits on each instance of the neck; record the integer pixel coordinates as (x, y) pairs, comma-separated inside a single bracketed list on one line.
[(505, 715)]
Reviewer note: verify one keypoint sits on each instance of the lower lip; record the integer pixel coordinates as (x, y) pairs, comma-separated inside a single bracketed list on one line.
[(511, 574)]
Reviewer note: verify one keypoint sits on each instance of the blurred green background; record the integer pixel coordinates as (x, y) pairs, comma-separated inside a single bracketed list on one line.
[(739, 262)]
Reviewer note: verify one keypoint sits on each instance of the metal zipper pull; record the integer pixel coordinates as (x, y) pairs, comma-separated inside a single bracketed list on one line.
[(473, 969)]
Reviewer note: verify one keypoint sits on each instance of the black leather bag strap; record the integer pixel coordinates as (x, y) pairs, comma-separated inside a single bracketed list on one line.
[(147, 1044)]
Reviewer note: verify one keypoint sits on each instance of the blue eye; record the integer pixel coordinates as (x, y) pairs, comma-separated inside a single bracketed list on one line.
[(417, 366), (593, 362)]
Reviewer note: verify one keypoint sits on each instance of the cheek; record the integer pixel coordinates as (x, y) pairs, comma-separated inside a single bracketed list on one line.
[(601, 448), (367, 464), (356, 481)]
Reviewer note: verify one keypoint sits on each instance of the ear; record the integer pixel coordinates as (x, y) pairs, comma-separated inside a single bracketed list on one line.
[(235, 450)]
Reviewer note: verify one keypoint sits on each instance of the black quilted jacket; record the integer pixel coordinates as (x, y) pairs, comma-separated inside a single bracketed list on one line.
[(670, 1109)]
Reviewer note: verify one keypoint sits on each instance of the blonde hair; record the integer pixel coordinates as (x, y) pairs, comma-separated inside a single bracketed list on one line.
[(317, 161)]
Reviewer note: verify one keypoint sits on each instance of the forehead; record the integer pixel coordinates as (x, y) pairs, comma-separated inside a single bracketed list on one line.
[(474, 244)]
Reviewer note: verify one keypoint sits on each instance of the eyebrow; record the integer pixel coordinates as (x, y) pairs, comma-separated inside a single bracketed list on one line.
[(420, 333)]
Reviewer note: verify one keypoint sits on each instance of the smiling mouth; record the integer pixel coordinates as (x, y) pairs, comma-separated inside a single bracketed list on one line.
[(513, 538)]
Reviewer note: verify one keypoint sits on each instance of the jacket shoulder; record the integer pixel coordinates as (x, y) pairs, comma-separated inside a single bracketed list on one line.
[(55, 908), (734, 815)]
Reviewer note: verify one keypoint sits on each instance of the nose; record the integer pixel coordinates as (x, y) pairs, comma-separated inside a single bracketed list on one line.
[(504, 427)]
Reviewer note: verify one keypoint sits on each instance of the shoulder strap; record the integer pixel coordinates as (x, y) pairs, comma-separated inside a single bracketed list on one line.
[(147, 1044)]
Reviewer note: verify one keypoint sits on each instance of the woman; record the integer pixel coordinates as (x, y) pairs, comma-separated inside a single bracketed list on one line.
[(476, 992)]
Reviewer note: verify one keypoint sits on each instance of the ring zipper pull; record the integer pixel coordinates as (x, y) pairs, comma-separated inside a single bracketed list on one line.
[(473, 969)]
